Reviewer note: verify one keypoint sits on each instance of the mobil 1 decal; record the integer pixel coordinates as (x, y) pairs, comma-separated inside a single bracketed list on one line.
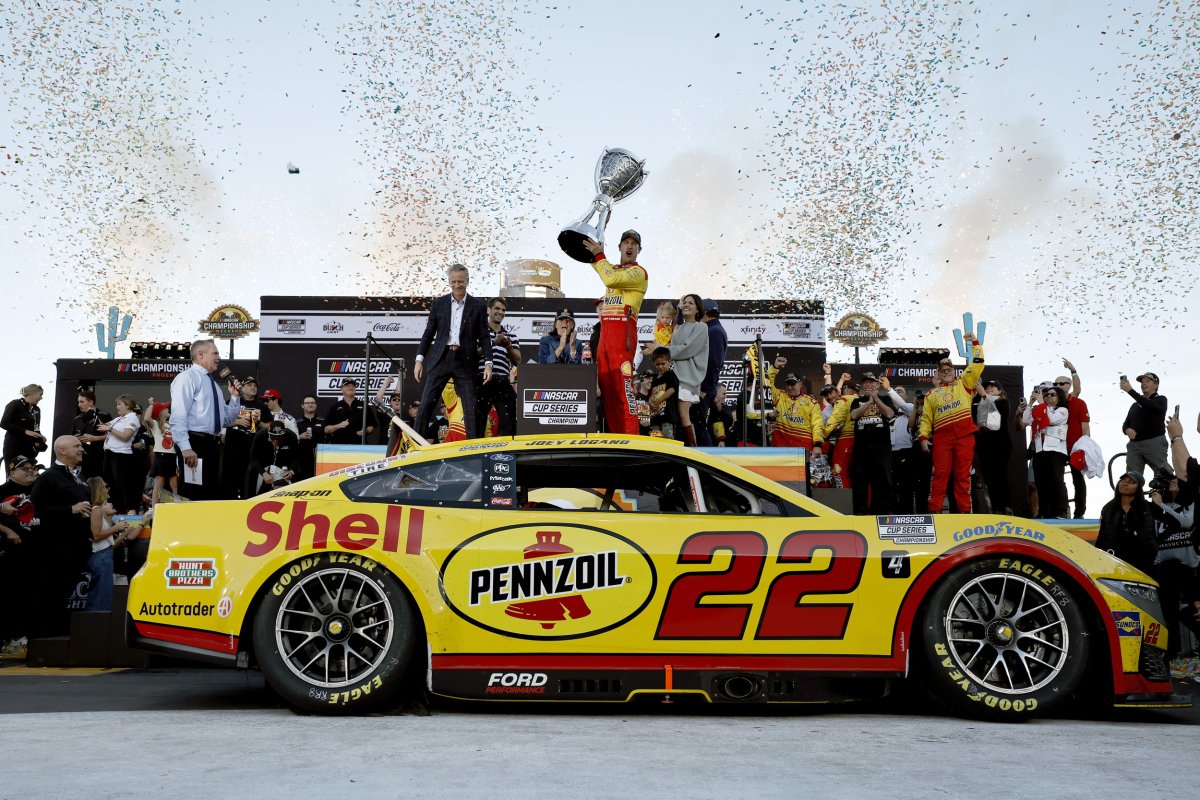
[(548, 581), (499, 481)]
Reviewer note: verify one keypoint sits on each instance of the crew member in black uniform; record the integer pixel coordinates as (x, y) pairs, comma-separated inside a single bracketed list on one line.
[(343, 421), (311, 433), (86, 427), (235, 458)]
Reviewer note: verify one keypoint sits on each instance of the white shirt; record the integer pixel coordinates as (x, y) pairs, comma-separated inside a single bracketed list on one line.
[(901, 435), (192, 405), (456, 315), (126, 422)]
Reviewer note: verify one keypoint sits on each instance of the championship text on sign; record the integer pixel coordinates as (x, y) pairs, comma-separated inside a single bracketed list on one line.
[(229, 322), (557, 406), (858, 330)]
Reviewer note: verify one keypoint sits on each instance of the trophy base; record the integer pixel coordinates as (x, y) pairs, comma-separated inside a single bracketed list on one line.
[(571, 242)]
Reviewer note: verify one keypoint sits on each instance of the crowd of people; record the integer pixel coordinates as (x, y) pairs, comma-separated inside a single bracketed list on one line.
[(947, 448)]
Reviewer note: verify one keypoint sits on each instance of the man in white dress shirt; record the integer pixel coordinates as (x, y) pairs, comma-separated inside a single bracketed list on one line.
[(198, 413)]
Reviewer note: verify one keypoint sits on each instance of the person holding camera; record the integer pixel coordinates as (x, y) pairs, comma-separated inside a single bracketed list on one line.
[(1046, 411), (22, 423), (1144, 425), (1173, 507)]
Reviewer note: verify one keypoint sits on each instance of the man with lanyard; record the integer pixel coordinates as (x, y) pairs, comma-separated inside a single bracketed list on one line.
[(62, 501), (197, 416), (947, 418), (498, 392), (86, 427), (718, 343), (625, 286)]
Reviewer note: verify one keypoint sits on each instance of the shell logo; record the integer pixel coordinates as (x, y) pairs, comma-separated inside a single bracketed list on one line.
[(548, 581)]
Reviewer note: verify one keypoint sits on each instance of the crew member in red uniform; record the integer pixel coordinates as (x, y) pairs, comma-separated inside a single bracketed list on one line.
[(625, 286), (947, 419)]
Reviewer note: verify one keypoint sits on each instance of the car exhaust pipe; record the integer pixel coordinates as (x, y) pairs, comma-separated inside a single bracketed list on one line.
[(739, 687)]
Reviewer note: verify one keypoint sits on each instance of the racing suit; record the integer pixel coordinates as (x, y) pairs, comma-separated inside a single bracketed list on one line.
[(947, 417), (625, 288), (798, 420), (843, 451)]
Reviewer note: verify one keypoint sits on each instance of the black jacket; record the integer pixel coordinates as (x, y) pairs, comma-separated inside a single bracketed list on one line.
[(19, 417), (1147, 416), (264, 454), (473, 336), (62, 532), (1130, 537)]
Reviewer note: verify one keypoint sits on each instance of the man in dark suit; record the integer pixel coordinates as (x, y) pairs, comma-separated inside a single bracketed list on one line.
[(455, 339)]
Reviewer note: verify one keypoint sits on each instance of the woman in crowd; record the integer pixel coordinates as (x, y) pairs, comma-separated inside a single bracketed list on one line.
[(561, 347), (22, 423), (689, 352), (993, 445), (1126, 525), (123, 469), (1047, 413), (1174, 513), (106, 535)]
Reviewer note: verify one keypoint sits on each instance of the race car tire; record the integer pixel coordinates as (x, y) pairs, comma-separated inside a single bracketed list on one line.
[(1004, 640), (335, 637)]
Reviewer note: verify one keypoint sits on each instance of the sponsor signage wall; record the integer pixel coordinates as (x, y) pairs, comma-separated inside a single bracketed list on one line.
[(311, 344)]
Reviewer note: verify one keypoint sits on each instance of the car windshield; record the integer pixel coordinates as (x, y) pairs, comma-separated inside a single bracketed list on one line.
[(454, 482)]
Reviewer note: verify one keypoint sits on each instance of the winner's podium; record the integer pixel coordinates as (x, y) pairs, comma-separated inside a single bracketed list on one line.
[(556, 398)]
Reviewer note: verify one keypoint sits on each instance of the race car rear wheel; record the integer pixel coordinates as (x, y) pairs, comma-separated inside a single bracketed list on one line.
[(335, 637), (1004, 639)]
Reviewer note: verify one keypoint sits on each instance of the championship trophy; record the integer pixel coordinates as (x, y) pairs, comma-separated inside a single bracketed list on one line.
[(619, 174)]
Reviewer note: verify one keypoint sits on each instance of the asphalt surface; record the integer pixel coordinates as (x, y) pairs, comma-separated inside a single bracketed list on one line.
[(183, 729)]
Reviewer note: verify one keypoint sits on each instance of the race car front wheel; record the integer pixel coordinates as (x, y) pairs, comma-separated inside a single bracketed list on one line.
[(1005, 639), (333, 636)]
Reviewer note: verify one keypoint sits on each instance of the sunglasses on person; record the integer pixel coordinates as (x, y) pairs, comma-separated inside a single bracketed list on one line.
[(1062, 383)]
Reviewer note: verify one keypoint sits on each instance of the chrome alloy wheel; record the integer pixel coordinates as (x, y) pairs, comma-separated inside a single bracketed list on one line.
[(1007, 633), (334, 628)]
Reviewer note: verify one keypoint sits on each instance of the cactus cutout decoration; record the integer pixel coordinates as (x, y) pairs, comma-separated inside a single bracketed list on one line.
[(964, 349), (109, 346)]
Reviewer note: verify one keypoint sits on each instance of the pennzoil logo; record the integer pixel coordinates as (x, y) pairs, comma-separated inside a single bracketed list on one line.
[(548, 581), (191, 573)]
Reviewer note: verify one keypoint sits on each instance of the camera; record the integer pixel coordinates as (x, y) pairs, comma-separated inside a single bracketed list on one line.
[(1161, 481)]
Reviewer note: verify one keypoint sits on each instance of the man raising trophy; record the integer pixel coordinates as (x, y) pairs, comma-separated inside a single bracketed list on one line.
[(619, 173), (625, 286)]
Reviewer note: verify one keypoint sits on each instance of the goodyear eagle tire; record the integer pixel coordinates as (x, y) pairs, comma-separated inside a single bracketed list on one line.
[(1004, 639), (334, 634)]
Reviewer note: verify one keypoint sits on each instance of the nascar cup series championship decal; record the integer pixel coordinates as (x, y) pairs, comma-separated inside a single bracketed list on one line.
[(548, 581)]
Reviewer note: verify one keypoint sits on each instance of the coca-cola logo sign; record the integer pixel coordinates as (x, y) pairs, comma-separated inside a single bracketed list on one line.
[(392, 327)]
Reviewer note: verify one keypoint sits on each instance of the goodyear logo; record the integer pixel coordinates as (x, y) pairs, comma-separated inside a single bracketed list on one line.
[(1129, 623), (548, 581), (191, 573)]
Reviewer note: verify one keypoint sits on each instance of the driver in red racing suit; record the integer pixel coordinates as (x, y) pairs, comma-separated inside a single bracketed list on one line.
[(625, 286)]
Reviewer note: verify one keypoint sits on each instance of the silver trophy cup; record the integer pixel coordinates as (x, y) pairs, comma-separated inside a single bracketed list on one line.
[(619, 174)]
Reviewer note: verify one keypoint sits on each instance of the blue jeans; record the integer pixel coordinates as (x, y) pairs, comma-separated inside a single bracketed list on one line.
[(100, 593)]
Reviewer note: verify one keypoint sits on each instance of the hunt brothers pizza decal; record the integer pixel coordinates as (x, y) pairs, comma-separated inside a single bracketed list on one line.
[(548, 581), (191, 573)]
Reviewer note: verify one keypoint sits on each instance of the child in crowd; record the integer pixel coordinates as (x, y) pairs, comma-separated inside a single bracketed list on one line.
[(664, 391), (163, 468), (643, 402), (664, 323)]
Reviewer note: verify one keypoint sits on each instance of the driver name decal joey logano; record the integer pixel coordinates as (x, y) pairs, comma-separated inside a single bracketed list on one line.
[(548, 581)]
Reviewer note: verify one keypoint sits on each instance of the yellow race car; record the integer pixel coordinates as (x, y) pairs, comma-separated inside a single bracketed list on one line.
[(601, 568)]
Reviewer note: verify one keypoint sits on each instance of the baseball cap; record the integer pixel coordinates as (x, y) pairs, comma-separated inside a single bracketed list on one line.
[(710, 306), (946, 361), (988, 383), (1136, 477), (632, 234), (276, 428), (870, 376), (22, 461), (564, 314), (826, 389), (349, 382), (791, 378), (1149, 375), (157, 408), (271, 394), (250, 379)]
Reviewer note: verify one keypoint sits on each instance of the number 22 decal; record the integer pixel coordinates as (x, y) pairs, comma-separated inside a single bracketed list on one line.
[(784, 615)]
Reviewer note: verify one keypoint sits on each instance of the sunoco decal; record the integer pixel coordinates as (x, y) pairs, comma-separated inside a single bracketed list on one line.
[(548, 581), (191, 573), (1129, 623)]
